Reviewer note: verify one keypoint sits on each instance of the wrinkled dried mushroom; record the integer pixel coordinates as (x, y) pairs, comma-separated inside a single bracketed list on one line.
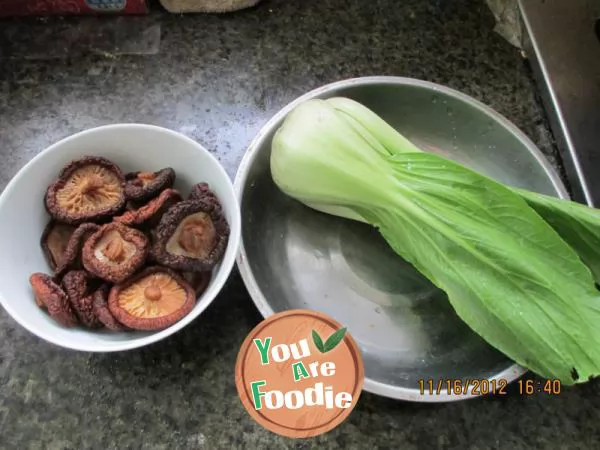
[(154, 299), (89, 189), (201, 191), (49, 295), (54, 242), (151, 213), (191, 236), (87, 253), (78, 285), (100, 306), (71, 259), (142, 186), (115, 252)]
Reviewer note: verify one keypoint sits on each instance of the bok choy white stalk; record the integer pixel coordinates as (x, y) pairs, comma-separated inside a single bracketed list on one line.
[(507, 273)]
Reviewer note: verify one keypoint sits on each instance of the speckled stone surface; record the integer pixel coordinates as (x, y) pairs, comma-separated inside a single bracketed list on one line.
[(217, 79)]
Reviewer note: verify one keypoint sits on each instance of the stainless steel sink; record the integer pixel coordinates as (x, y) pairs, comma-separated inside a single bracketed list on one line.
[(562, 42)]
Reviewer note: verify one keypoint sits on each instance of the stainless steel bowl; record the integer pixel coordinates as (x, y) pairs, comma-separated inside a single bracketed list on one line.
[(293, 257)]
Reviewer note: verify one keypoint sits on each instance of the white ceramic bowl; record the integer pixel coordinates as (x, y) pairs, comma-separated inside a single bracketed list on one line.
[(23, 218)]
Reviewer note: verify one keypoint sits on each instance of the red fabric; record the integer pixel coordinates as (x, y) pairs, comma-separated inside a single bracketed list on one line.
[(47, 7)]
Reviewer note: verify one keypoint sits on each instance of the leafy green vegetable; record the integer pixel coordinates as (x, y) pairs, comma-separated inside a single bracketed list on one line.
[(507, 273), (577, 224)]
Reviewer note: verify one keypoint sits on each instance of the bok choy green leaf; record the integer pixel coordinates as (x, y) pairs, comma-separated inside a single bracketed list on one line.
[(577, 224), (507, 273)]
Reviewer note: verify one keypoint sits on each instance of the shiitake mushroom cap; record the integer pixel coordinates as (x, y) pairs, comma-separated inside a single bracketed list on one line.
[(51, 296), (71, 259), (191, 236), (149, 214), (154, 299), (88, 189), (78, 285), (202, 191), (141, 186), (54, 242), (101, 310), (115, 252)]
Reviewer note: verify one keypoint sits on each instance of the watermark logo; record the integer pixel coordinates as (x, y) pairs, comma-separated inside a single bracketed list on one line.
[(299, 373)]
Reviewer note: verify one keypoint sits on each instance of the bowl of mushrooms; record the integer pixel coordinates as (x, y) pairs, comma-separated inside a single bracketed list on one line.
[(116, 237)]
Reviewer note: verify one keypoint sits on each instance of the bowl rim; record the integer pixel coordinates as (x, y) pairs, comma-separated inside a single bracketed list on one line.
[(508, 375), (219, 279)]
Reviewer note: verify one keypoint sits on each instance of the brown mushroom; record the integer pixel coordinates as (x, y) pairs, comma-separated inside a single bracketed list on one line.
[(89, 189), (154, 299), (100, 307), (54, 242), (141, 186), (49, 295), (71, 259), (150, 213), (78, 286), (191, 236), (202, 191), (115, 252)]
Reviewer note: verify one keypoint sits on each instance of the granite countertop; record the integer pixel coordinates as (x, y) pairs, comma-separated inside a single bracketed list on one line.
[(217, 79)]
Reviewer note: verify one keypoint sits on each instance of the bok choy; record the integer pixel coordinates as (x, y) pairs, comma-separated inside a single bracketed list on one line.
[(508, 274), (578, 225)]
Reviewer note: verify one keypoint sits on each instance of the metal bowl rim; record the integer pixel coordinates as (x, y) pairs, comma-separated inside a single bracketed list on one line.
[(509, 374)]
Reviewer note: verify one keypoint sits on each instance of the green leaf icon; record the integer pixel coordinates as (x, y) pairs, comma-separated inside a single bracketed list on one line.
[(318, 341), (334, 340), (331, 343)]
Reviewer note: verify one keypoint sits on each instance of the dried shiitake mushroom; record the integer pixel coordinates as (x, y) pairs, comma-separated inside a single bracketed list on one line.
[(201, 191), (115, 252), (142, 186), (100, 306), (71, 259), (198, 281), (151, 225), (154, 299), (89, 189), (49, 295), (78, 286), (151, 213), (191, 236), (54, 242)]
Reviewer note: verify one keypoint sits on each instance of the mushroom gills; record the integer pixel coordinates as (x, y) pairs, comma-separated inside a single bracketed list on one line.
[(113, 249), (90, 188), (154, 296), (194, 237), (55, 243)]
